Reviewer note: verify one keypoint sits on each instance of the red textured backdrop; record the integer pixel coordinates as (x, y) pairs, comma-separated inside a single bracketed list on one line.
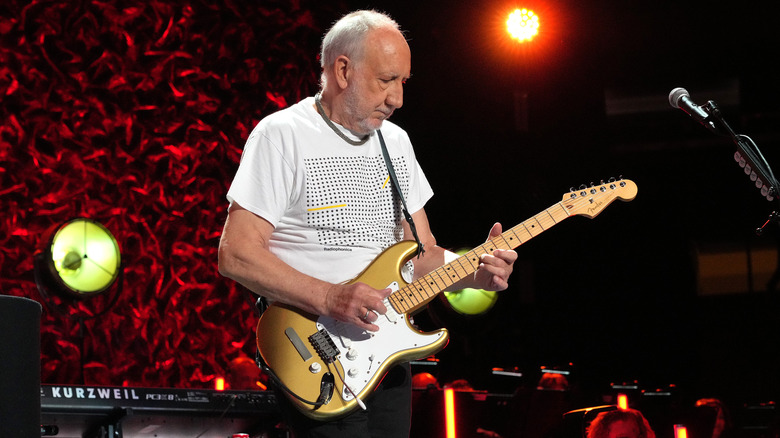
[(134, 113)]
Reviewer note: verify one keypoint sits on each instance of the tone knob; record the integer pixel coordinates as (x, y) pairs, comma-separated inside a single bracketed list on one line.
[(352, 354), (315, 367)]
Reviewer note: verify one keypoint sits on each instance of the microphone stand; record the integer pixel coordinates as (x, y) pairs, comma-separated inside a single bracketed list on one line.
[(749, 157)]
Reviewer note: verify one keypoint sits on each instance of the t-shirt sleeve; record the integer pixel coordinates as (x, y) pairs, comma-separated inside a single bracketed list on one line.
[(264, 181)]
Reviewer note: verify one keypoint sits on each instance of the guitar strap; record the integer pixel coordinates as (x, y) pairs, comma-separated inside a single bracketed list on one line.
[(407, 216)]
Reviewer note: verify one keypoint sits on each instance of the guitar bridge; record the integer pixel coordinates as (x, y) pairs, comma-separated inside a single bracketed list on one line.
[(324, 346)]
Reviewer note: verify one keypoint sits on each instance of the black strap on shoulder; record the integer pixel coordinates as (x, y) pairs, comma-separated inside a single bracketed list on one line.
[(407, 216)]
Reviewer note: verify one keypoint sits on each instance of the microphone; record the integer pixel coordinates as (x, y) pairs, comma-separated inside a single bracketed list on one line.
[(679, 98)]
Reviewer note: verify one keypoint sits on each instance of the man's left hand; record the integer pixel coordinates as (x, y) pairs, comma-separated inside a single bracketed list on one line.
[(494, 269)]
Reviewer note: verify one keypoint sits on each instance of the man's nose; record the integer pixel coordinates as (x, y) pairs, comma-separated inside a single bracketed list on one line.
[(395, 96)]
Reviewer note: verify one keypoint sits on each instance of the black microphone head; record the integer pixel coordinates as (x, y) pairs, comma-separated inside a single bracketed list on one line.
[(676, 95)]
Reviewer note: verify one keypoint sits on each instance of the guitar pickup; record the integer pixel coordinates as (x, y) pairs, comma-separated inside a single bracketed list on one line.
[(345, 341), (390, 314)]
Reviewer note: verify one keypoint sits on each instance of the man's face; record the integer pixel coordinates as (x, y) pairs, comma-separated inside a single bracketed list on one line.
[(376, 88)]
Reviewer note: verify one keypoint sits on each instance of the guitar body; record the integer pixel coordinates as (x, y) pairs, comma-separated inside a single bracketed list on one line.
[(363, 358)]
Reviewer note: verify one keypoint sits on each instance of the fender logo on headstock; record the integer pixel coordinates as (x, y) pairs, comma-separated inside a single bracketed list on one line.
[(595, 206)]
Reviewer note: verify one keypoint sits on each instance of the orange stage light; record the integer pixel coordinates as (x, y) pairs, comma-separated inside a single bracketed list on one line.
[(680, 431), (219, 384), (622, 402), (522, 25), (449, 412)]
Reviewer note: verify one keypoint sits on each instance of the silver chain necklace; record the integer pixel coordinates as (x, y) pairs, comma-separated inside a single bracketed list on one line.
[(335, 128)]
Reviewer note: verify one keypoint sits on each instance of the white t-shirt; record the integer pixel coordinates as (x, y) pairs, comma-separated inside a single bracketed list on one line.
[(332, 204)]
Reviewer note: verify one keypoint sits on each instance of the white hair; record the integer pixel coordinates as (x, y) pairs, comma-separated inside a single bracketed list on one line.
[(347, 35)]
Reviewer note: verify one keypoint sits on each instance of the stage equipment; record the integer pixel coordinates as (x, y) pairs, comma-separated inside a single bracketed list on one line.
[(680, 431), (102, 411), (81, 258), (748, 156), (522, 25), (77, 260), (20, 367), (757, 419), (504, 380), (449, 412), (555, 378), (621, 393), (679, 98)]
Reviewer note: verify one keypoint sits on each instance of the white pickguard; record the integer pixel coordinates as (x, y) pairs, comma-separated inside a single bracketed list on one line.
[(363, 352)]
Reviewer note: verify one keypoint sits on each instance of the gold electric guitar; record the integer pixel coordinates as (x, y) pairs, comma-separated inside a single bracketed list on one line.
[(327, 367)]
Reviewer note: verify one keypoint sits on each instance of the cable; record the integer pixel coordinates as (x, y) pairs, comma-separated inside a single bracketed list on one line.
[(357, 399), (278, 382)]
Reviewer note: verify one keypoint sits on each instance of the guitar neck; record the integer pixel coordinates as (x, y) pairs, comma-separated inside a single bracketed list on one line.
[(418, 293)]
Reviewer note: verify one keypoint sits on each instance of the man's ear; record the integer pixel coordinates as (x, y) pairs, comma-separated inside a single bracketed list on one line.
[(342, 71)]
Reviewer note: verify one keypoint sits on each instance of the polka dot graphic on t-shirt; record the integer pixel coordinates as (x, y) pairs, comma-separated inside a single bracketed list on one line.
[(351, 202)]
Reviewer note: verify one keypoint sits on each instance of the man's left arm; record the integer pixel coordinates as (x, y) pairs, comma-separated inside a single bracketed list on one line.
[(494, 269)]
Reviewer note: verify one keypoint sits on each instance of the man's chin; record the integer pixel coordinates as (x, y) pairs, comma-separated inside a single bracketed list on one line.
[(376, 124), (371, 126)]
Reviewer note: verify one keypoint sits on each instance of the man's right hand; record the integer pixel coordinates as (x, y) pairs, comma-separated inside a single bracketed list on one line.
[(356, 303)]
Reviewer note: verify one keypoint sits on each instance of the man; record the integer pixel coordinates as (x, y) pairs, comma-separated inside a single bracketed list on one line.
[(311, 205)]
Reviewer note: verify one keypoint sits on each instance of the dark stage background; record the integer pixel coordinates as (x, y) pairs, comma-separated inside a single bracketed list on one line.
[(134, 113)]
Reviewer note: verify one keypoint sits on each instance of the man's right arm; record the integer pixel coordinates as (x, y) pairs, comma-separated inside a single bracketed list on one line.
[(244, 256)]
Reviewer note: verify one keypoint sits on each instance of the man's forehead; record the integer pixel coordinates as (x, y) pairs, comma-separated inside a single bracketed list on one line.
[(387, 51)]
